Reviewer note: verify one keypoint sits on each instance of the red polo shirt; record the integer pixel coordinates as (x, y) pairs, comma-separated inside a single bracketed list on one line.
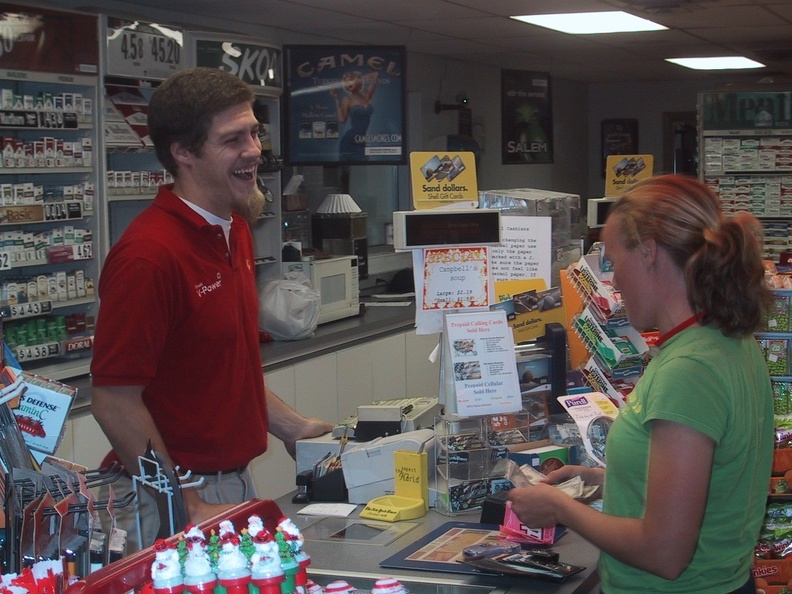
[(179, 316)]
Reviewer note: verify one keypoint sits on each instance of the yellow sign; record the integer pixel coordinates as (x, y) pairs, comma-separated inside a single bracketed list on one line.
[(443, 178), (624, 171), (26, 213), (529, 307)]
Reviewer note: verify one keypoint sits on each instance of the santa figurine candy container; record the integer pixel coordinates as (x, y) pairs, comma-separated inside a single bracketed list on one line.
[(255, 525), (295, 540), (198, 575), (166, 571), (232, 565), (265, 564), (388, 585), (288, 563)]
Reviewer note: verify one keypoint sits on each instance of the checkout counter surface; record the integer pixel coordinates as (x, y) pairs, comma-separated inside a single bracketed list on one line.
[(357, 561), (373, 323)]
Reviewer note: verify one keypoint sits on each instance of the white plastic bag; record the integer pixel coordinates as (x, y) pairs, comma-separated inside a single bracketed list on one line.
[(289, 308)]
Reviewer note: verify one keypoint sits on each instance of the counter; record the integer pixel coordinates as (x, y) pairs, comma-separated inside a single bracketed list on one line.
[(374, 322), (358, 563)]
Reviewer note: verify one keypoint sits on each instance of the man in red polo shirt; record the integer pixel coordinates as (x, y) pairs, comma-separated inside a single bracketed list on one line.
[(176, 355)]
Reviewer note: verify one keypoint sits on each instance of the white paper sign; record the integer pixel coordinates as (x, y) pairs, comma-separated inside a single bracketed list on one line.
[(524, 251), (482, 362)]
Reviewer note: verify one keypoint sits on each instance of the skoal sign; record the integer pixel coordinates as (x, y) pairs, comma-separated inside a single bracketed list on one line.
[(259, 65)]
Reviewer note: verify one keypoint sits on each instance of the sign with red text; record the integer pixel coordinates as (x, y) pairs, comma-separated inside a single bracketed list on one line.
[(481, 360)]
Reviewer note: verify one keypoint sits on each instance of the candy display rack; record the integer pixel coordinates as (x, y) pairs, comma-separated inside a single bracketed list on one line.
[(467, 467), (133, 572)]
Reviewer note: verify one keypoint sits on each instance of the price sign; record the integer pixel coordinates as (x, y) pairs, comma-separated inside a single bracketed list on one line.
[(143, 50), (69, 253), (5, 260), (30, 309), (83, 251), (38, 351)]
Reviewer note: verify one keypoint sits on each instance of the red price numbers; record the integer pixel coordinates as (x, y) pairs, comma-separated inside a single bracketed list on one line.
[(503, 422)]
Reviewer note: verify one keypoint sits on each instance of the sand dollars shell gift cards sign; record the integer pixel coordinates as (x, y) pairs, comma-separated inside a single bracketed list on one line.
[(443, 178)]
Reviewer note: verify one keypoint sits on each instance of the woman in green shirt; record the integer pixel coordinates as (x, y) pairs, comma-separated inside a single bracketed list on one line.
[(689, 456)]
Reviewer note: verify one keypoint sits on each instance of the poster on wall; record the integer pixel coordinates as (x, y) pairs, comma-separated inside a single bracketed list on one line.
[(345, 105), (618, 137), (526, 117)]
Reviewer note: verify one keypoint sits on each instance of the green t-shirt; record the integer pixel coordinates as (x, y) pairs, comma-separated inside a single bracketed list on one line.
[(721, 387)]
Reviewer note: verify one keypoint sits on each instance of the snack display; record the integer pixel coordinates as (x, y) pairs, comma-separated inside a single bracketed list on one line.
[(773, 554)]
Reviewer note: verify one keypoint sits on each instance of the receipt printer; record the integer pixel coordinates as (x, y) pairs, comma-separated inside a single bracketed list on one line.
[(368, 467), (389, 417)]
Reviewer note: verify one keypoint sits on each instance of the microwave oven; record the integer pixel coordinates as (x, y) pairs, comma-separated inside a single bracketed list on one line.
[(336, 279)]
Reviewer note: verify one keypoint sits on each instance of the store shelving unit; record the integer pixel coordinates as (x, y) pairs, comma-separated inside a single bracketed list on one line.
[(775, 341), (745, 139), (48, 227), (136, 57)]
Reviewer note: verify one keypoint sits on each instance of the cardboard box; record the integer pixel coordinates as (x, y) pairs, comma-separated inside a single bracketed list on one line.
[(543, 455), (368, 467), (294, 201), (773, 571)]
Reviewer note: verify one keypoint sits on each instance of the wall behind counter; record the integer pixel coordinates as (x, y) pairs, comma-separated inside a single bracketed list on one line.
[(328, 386)]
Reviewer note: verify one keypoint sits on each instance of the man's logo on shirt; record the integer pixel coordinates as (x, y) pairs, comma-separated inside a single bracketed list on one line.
[(203, 288)]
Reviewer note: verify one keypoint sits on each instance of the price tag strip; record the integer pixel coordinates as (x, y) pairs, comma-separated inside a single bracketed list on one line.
[(26, 310), (53, 349), (70, 253), (38, 351)]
